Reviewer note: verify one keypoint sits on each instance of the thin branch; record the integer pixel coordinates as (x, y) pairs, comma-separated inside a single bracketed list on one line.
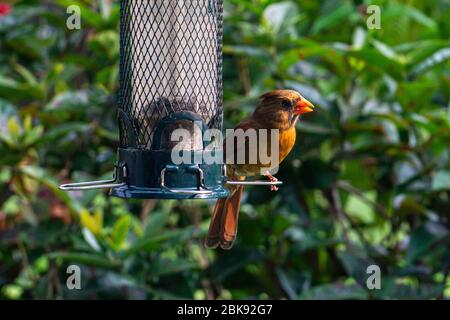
[(336, 207), (147, 207), (351, 189), (342, 216), (244, 75)]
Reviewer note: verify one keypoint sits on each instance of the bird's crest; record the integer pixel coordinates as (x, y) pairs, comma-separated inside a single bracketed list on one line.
[(280, 93)]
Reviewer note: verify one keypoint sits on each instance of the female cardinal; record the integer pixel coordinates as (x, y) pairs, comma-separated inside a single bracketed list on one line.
[(279, 109)]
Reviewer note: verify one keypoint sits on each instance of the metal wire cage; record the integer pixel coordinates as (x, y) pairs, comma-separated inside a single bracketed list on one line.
[(171, 61), (170, 78)]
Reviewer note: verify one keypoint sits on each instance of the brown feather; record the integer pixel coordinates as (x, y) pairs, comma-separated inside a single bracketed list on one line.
[(229, 223), (213, 238)]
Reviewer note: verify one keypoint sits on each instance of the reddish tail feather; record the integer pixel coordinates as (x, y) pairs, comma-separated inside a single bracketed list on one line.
[(224, 222)]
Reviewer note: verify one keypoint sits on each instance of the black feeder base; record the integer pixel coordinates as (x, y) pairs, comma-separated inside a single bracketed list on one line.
[(132, 192), (150, 174)]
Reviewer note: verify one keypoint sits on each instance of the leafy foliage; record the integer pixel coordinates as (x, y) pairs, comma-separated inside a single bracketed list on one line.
[(367, 183)]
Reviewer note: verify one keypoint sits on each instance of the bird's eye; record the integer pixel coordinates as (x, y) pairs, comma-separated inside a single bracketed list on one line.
[(286, 104)]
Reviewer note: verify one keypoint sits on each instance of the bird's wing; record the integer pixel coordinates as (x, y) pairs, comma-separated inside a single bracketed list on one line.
[(242, 148)]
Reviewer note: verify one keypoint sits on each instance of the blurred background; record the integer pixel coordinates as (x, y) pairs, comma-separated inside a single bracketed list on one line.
[(368, 181)]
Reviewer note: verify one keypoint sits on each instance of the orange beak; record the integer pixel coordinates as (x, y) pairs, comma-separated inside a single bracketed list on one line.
[(303, 106)]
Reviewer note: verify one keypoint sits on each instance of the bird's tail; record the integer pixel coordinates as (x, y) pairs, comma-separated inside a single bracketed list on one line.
[(224, 222)]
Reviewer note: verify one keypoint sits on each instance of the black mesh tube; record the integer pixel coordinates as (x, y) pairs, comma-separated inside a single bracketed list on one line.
[(171, 61)]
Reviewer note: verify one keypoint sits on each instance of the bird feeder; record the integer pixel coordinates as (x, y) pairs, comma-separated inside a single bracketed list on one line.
[(170, 78)]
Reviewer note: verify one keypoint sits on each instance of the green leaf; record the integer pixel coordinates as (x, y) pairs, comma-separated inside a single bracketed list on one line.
[(164, 267), (333, 18), (33, 135), (242, 50), (68, 101), (359, 38), (438, 57), (441, 181), (120, 231), (58, 132), (418, 16), (423, 238), (89, 222), (360, 209), (90, 239), (286, 283), (27, 75), (355, 262), (46, 179), (7, 110), (106, 42), (335, 291), (398, 288), (89, 259), (152, 243), (8, 83), (12, 291), (155, 223), (280, 15), (14, 128), (387, 51)]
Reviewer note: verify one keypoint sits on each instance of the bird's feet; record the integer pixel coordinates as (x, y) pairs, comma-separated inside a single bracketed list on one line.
[(272, 179)]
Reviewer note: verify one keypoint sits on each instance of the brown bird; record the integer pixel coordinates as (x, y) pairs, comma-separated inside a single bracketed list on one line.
[(279, 109)]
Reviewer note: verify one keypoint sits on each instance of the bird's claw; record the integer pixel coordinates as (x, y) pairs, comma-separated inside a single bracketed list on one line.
[(272, 179)]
